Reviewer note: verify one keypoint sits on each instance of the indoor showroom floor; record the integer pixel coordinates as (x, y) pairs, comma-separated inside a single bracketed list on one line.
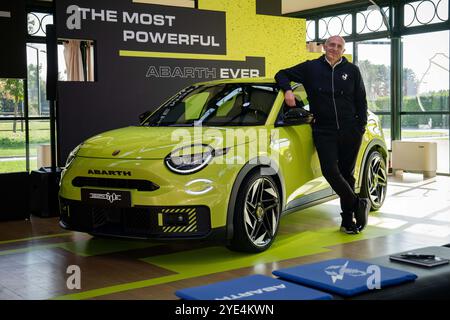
[(35, 255)]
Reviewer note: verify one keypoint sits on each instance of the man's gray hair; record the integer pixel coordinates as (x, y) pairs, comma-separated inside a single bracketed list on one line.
[(328, 40)]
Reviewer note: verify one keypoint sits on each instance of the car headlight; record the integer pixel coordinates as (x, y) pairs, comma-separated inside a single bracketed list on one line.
[(72, 155), (191, 159)]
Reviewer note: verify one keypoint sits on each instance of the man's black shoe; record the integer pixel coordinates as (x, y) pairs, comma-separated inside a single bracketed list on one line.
[(362, 213), (349, 229), (348, 225)]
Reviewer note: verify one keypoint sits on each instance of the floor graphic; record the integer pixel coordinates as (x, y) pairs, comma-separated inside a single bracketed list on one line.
[(312, 231), (34, 266), (36, 238), (200, 262)]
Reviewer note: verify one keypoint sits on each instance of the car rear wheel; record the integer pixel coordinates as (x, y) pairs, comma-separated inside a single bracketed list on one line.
[(257, 214), (374, 184)]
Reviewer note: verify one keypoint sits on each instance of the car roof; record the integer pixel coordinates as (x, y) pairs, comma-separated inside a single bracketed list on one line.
[(239, 80)]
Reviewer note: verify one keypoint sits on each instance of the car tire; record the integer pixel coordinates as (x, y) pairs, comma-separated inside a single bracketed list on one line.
[(374, 183), (256, 215)]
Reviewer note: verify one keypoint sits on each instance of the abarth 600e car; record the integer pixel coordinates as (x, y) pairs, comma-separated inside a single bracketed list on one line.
[(219, 160)]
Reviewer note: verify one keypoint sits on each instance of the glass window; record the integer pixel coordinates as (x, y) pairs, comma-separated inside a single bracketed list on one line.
[(39, 143), (337, 25), (12, 146), (385, 121), (224, 104), (374, 61), (37, 22), (37, 79), (310, 30), (372, 20), (11, 98), (425, 12), (426, 89), (425, 72), (301, 96), (12, 132)]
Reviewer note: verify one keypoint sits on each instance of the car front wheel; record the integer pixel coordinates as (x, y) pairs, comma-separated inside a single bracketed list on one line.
[(257, 214)]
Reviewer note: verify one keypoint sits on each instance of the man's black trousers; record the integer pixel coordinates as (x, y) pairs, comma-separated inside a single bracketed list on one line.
[(337, 151)]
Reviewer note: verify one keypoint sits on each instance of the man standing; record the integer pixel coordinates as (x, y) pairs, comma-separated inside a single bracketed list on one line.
[(337, 98)]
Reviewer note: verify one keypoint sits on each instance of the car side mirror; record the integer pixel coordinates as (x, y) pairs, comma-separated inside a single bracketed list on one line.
[(295, 116)]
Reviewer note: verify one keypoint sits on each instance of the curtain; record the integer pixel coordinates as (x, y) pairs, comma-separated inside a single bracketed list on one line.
[(90, 61), (74, 63)]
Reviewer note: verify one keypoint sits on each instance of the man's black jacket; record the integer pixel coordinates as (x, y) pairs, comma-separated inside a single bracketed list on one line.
[(337, 97)]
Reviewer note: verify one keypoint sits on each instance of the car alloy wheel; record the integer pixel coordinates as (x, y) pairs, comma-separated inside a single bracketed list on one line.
[(256, 214), (376, 180), (261, 212)]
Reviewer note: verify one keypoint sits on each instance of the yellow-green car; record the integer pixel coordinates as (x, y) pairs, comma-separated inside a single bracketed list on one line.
[(219, 160)]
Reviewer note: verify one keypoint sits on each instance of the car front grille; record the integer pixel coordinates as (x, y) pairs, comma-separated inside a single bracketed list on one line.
[(138, 221), (140, 185)]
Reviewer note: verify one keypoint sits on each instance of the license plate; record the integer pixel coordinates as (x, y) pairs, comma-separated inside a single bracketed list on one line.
[(110, 198)]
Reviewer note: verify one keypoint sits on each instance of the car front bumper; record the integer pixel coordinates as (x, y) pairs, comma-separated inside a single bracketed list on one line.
[(167, 206), (141, 222)]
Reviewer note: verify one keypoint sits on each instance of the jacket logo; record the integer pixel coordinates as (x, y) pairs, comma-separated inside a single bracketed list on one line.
[(110, 172), (344, 76)]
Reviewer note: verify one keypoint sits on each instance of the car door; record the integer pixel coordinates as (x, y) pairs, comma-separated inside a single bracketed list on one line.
[(298, 158)]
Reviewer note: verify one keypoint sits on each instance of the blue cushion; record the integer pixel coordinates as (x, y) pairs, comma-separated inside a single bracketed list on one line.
[(345, 277), (255, 287)]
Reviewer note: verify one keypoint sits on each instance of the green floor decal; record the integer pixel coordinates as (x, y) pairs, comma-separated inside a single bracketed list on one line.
[(36, 238), (205, 261), (31, 248)]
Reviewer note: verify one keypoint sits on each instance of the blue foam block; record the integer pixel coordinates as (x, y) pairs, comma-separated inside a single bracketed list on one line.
[(345, 277), (255, 287)]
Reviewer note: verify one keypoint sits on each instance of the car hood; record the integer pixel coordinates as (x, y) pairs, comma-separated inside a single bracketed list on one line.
[(157, 142)]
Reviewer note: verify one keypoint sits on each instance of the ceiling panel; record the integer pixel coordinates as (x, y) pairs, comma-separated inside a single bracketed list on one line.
[(300, 5)]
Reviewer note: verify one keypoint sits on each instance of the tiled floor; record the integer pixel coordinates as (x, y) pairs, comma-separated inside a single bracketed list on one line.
[(35, 255)]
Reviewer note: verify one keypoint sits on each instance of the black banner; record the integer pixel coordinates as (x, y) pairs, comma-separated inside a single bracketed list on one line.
[(134, 26), (128, 85), (13, 22)]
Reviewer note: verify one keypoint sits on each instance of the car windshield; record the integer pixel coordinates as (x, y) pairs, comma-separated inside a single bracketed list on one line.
[(217, 105)]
